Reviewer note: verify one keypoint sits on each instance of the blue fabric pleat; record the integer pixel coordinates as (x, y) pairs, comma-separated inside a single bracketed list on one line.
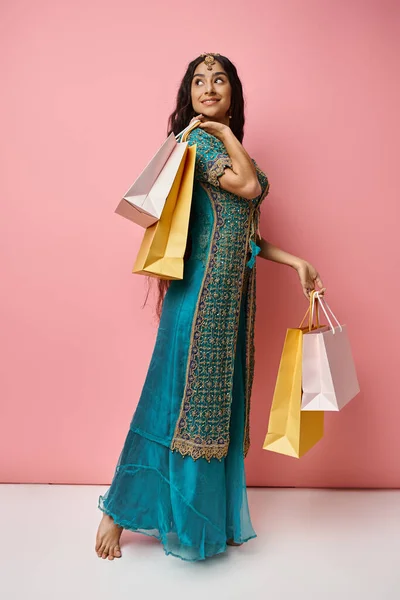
[(191, 506)]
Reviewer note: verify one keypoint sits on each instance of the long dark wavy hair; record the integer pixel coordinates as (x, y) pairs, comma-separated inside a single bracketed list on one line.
[(183, 114)]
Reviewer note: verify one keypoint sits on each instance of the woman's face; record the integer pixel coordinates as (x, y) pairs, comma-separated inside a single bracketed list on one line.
[(211, 86)]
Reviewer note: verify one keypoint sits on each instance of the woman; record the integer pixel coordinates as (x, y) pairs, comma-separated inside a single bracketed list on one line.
[(180, 476)]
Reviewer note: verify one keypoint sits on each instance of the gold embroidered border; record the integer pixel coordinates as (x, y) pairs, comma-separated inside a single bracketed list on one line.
[(218, 167), (197, 446), (186, 446), (266, 189), (250, 350)]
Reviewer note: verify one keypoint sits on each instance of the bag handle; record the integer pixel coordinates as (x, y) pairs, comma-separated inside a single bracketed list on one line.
[(310, 311), (324, 303), (185, 132)]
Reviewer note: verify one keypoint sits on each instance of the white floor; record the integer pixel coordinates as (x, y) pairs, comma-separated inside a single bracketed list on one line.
[(311, 545)]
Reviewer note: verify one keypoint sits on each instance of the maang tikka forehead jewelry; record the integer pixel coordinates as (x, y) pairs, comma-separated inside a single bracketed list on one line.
[(209, 59)]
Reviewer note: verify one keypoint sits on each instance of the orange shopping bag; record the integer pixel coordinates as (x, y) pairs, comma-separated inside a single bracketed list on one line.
[(163, 247)]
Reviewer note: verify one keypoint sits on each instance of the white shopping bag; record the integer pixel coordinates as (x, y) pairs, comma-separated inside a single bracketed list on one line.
[(143, 203), (329, 378)]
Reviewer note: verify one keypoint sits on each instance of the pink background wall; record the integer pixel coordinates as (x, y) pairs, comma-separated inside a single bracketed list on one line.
[(87, 89)]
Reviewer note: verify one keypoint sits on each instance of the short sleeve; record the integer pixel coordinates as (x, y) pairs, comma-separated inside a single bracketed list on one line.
[(263, 180), (211, 156)]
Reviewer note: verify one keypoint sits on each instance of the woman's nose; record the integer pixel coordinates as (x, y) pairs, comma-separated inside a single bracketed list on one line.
[(210, 87)]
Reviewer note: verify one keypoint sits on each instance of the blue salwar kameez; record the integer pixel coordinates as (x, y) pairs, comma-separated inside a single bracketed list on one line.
[(180, 476)]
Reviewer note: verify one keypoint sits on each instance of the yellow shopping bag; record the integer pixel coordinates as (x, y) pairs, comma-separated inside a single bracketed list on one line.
[(164, 243), (291, 431)]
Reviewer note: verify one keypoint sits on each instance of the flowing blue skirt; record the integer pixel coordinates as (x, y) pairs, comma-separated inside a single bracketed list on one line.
[(191, 506)]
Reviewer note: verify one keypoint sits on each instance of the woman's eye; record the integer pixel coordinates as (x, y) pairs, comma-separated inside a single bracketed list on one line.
[(200, 81)]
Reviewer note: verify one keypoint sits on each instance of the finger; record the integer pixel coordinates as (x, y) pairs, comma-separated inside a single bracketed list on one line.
[(321, 292), (322, 289), (318, 281)]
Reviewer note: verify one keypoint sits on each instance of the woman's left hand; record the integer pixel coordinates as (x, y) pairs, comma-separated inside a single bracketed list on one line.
[(309, 276)]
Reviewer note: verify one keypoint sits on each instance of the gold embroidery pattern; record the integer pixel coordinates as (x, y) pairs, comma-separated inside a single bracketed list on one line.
[(202, 429), (250, 351), (218, 167), (211, 159)]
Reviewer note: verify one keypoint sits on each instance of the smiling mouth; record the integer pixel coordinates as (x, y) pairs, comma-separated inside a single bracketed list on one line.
[(210, 101)]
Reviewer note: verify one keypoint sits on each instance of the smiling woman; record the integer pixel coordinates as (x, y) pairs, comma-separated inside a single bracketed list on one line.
[(211, 96), (211, 89), (180, 476)]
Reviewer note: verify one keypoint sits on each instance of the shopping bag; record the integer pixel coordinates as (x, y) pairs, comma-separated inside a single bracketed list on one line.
[(328, 373), (291, 431), (163, 246), (144, 202)]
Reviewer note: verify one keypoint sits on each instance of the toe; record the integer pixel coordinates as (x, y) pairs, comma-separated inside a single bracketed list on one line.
[(117, 551), (98, 542)]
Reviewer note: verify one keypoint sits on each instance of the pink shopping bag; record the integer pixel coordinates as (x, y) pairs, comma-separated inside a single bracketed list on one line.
[(144, 202), (329, 378)]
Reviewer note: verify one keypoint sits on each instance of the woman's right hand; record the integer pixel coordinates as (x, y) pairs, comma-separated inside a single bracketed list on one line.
[(214, 127)]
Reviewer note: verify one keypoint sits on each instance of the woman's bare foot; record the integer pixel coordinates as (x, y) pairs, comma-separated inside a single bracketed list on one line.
[(107, 538), (230, 542)]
